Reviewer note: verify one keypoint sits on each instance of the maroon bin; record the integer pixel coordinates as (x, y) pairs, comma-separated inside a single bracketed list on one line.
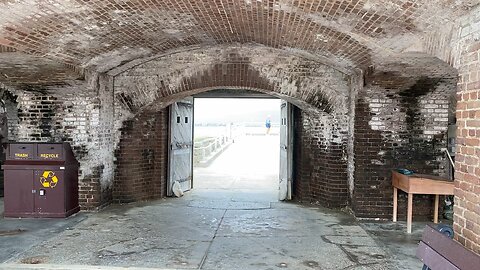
[(40, 180)]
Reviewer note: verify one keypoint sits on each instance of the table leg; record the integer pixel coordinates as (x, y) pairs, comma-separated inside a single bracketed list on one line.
[(435, 211), (409, 213), (395, 203)]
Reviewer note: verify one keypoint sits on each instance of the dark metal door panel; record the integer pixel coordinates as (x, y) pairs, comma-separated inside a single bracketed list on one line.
[(286, 152), (50, 191), (180, 145), (19, 191)]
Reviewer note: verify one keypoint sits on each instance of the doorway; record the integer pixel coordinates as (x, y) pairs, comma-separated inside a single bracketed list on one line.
[(235, 153), (235, 147)]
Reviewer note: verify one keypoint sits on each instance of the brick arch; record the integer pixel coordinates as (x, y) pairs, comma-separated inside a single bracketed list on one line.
[(307, 83), (164, 102), (321, 167), (321, 92)]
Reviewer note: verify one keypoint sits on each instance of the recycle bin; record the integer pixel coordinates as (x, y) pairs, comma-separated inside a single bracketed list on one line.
[(40, 180)]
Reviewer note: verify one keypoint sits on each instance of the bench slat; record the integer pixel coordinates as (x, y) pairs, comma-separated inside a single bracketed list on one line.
[(432, 259), (450, 249)]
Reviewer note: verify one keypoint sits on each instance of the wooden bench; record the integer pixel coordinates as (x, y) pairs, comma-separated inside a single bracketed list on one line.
[(438, 252)]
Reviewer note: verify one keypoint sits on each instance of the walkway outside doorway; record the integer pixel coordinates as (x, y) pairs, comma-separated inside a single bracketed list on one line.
[(246, 171), (246, 167)]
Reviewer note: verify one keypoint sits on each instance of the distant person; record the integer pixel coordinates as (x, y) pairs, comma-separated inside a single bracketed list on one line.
[(268, 124)]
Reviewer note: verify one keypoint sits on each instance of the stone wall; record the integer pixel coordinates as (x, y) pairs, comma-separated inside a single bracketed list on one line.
[(116, 129)]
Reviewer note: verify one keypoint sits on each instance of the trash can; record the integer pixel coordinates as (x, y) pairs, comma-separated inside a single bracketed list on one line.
[(40, 180)]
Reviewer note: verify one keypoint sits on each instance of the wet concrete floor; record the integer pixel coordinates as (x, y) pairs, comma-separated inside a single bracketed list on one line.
[(231, 220)]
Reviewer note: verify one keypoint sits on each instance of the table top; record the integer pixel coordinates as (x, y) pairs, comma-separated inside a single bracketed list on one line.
[(422, 184)]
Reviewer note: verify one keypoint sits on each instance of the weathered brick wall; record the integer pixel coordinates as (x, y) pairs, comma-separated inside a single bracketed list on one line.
[(141, 158), (320, 158), (3, 139), (76, 115), (104, 137), (467, 163), (3, 132), (400, 122)]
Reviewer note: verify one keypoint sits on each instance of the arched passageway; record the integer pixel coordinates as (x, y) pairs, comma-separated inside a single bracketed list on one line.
[(343, 120), (315, 88), (372, 81), (335, 129)]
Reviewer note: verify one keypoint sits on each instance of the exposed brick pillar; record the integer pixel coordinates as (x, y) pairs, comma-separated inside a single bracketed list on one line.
[(141, 158), (467, 162)]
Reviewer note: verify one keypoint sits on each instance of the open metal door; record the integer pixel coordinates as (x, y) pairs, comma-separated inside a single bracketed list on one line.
[(180, 150), (286, 152)]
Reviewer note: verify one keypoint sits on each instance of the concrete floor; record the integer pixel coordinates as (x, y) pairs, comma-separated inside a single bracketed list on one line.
[(231, 220)]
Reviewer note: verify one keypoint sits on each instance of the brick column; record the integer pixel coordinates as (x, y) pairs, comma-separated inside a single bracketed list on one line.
[(467, 166)]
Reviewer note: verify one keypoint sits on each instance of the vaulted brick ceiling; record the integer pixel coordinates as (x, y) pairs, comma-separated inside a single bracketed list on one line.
[(350, 33)]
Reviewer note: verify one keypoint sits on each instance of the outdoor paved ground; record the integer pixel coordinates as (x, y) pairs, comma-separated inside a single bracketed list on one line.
[(231, 220)]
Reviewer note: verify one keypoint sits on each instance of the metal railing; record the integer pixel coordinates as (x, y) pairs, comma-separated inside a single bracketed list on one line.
[(205, 148)]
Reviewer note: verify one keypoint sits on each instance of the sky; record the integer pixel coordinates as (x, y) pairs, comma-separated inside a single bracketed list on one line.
[(237, 110)]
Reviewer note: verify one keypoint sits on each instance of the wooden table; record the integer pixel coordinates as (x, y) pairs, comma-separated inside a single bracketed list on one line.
[(419, 184)]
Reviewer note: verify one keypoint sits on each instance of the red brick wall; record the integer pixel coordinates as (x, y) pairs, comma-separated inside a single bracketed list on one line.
[(320, 162), (467, 162), (141, 158)]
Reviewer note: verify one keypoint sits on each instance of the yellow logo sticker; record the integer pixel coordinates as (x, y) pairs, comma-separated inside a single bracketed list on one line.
[(49, 179)]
